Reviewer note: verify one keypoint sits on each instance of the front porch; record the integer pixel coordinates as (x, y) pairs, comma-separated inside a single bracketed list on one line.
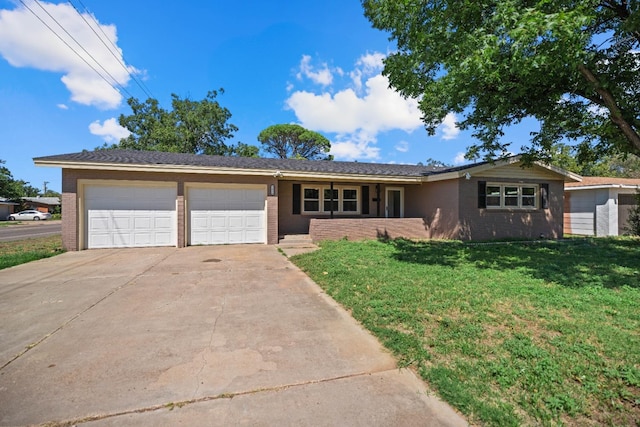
[(367, 228)]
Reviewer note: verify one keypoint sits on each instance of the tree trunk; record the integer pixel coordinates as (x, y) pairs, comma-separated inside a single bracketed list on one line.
[(614, 111)]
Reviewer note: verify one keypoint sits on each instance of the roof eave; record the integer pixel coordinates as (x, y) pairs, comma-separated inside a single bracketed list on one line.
[(603, 187), (568, 176), (216, 170)]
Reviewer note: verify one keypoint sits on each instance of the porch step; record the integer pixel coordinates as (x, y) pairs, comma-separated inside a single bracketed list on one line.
[(293, 244), (295, 239)]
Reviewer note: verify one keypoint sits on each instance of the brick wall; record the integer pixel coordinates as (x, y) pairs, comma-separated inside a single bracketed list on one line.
[(487, 224), (367, 228), (69, 210)]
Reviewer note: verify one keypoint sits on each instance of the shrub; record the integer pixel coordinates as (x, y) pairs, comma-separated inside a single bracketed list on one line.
[(633, 227)]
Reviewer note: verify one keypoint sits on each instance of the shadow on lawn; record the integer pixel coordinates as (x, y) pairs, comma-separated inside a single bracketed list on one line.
[(610, 263)]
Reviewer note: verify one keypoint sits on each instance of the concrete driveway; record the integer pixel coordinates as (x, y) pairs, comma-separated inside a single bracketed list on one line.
[(216, 335)]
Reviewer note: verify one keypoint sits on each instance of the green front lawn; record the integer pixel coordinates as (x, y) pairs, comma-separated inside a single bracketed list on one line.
[(510, 334), (23, 251)]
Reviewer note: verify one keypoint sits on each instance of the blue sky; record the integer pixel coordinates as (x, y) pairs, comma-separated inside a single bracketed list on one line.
[(316, 63)]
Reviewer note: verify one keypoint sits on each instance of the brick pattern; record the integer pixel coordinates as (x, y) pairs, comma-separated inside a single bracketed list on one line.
[(367, 228), (488, 224), (69, 210)]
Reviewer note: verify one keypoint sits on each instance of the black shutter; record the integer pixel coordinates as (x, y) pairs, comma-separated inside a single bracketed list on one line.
[(365, 200), (482, 194), (544, 196), (296, 199)]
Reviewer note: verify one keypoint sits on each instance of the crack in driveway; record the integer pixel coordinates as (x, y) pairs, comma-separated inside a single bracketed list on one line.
[(77, 315), (179, 404), (204, 353)]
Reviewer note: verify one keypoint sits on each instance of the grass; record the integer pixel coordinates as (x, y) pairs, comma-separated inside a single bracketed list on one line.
[(23, 251), (509, 334)]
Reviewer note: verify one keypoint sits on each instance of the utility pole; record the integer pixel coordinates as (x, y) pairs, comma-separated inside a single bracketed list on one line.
[(45, 188)]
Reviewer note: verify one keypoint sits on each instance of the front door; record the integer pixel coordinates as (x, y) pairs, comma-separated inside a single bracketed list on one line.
[(394, 206)]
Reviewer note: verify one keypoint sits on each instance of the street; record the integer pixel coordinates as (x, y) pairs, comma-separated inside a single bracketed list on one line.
[(29, 230)]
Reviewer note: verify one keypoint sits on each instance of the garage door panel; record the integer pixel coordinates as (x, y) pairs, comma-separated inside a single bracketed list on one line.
[(130, 216), (234, 215), (254, 221)]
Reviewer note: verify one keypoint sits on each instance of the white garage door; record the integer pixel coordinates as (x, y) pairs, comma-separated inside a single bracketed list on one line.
[(226, 215), (131, 216)]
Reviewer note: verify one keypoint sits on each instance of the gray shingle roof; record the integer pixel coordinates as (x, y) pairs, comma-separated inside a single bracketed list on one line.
[(130, 157)]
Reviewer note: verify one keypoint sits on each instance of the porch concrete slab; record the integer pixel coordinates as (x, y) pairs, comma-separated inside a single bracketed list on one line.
[(117, 336)]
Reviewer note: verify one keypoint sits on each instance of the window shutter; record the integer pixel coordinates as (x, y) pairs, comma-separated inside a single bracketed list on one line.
[(296, 199), (365, 200), (482, 194), (544, 196)]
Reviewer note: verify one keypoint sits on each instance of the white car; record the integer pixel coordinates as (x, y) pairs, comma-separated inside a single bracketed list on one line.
[(30, 215)]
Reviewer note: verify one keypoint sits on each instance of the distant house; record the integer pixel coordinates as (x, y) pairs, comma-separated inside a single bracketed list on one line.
[(6, 208), (119, 198), (42, 204), (599, 206)]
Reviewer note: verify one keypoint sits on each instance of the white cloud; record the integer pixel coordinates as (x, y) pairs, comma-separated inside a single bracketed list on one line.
[(322, 77), (109, 130), (62, 106), (449, 128), (26, 42), (459, 159), (357, 115), (356, 146), (367, 65), (402, 146), (380, 109)]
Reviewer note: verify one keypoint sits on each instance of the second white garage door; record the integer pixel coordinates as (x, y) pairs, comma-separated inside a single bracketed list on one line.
[(226, 215)]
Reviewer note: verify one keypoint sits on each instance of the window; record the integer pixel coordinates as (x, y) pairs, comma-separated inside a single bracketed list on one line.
[(318, 200), (349, 200), (511, 196), (311, 199), (327, 200)]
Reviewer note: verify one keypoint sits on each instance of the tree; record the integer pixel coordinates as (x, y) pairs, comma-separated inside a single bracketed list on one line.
[(633, 227), (617, 165), (245, 150), (288, 141), (8, 187), (14, 189), (572, 65), (198, 127), (436, 163)]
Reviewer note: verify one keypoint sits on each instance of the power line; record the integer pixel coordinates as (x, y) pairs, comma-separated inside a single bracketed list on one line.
[(75, 51), (120, 60), (81, 47)]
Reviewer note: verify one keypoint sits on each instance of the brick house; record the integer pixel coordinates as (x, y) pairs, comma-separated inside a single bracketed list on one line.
[(119, 198)]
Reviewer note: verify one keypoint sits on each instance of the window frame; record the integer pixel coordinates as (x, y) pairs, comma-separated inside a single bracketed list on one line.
[(339, 200), (519, 197)]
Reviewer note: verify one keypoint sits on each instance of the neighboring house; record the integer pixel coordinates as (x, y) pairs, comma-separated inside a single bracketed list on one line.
[(599, 206), (6, 208), (119, 198), (42, 204)]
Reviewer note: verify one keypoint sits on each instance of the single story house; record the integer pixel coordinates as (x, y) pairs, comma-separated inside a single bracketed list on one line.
[(6, 208), (42, 204), (120, 198), (599, 206)]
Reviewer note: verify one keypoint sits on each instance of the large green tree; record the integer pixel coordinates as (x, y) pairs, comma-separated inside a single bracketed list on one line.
[(571, 64), (14, 189), (615, 165), (288, 141), (199, 127)]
